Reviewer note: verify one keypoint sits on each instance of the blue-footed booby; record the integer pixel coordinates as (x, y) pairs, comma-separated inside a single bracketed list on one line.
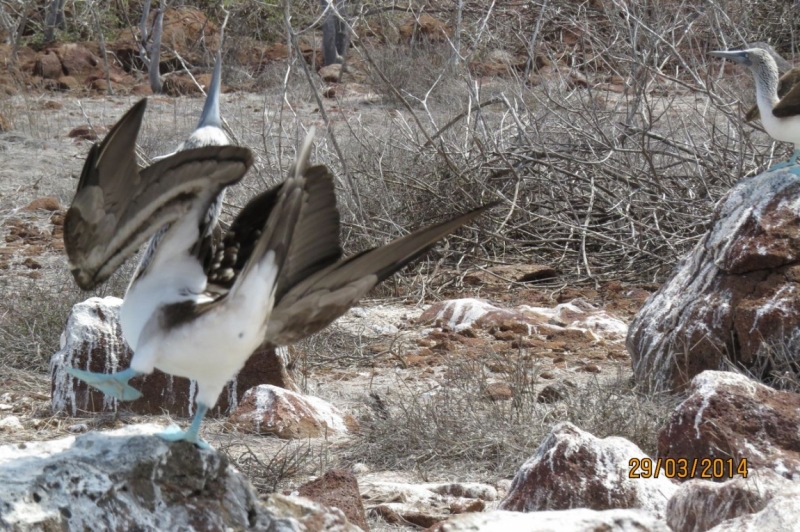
[(198, 310), (780, 116)]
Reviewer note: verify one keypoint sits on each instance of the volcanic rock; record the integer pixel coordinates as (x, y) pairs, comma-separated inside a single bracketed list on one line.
[(729, 416), (268, 409), (337, 488), (129, 479), (735, 296), (700, 505), (573, 469)]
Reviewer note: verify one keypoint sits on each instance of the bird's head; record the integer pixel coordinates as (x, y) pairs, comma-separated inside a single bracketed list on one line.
[(755, 58)]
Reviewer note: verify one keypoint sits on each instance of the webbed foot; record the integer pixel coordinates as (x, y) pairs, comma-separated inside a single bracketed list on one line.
[(174, 433), (112, 384)]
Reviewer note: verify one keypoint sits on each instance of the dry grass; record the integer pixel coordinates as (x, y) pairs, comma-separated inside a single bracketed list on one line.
[(455, 430)]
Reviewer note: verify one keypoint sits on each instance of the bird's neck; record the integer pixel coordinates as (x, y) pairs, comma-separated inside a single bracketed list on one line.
[(766, 89)]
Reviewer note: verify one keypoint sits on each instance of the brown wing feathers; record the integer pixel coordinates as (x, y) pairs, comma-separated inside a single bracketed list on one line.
[(117, 208)]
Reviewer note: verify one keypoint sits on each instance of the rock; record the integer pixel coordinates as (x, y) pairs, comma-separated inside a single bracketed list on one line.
[(573, 469), (142, 89), (179, 85), (93, 340), (577, 315), (700, 505), (75, 59), (5, 124), (499, 391), (423, 504), (83, 133), (45, 203), (31, 264), (553, 393), (331, 73), (337, 488), (129, 479), (578, 520), (727, 416), (517, 273), (329, 92), (434, 30), (10, 424), (48, 66), (737, 294), (781, 513), (267, 409), (68, 83)]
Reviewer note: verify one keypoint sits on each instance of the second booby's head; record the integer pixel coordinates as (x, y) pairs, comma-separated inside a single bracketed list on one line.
[(209, 129), (755, 58)]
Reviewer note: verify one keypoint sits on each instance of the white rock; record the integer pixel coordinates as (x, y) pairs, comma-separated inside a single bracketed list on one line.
[(128, 479), (267, 409), (578, 520), (573, 469), (10, 424)]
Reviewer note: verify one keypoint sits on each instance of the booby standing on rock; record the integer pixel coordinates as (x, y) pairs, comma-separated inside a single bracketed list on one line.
[(197, 312), (780, 116)]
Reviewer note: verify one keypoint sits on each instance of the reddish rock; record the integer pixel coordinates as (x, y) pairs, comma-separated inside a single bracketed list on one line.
[(75, 59), (462, 506), (573, 469), (48, 66), (426, 26), (68, 83), (700, 505), (46, 203), (5, 124), (736, 295), (728, 415), (267, 409), (179, 85), (337, 489), (578, 317), (331, 73), (142, 89), (553, 393), (329, 92), (83, 133), (499, 391), (782, 512), (93, 340)]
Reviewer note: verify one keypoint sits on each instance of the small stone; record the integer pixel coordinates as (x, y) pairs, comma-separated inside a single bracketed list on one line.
[(46, 203), (83, 133)]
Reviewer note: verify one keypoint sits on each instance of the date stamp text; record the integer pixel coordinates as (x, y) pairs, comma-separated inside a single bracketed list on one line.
[(683, 468)]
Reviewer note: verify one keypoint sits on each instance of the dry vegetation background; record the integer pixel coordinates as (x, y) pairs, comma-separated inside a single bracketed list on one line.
[(602, 125)]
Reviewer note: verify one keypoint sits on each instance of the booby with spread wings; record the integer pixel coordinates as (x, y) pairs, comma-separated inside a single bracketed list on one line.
[(779, 115), (199, 311)]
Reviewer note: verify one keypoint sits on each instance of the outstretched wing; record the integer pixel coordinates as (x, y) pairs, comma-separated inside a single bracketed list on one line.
[(316, 301), (117, 208)]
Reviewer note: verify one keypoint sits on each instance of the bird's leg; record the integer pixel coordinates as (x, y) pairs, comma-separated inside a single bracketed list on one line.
[(791, 162), (112, 384), (193, 434)]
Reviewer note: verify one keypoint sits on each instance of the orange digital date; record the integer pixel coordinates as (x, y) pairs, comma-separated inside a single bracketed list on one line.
[(681, 468)]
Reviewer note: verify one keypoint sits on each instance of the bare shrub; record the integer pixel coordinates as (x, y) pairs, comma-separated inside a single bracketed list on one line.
[(456, 428)]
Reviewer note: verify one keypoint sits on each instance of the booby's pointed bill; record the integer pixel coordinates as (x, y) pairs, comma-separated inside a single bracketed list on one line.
[(117, 208), (313, 303), (737, 56), (211, 116)]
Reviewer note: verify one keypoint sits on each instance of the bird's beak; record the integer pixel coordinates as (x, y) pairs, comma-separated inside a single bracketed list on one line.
[(736, 56)]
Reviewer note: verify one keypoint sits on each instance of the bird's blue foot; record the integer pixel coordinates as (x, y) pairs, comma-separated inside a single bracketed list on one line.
[(791, 162), (112, 384), (174, 433)]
